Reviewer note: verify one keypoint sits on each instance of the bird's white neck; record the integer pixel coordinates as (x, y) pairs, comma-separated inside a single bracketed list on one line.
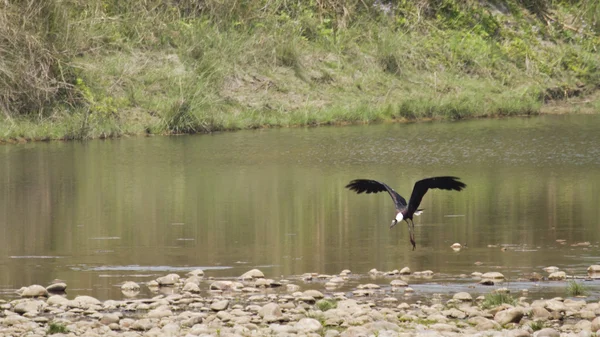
[(399, 216)]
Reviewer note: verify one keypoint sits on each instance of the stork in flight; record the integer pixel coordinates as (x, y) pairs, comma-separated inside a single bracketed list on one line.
[(405, 211)]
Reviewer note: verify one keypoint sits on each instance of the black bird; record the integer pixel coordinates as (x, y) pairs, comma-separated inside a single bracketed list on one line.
[(405, 211)]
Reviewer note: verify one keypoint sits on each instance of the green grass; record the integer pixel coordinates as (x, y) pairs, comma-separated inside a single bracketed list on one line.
[(104, 68), (325, 305), (57, 328), (495, 299), (536, 325), (575, 288)]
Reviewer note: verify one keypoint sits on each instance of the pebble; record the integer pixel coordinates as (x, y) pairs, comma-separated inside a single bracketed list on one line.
[(194, 308)]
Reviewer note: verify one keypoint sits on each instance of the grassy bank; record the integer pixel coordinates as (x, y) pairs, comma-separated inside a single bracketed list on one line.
[(73, 69)]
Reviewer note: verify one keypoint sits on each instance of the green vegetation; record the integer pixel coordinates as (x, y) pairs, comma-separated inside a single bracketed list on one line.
[(57, 328), (575, 288), (536, 325), (104, 68), (495, 299), (325, 305)]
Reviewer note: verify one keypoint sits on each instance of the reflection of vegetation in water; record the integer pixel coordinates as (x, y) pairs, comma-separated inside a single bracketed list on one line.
[(575, 288), (106, 68)]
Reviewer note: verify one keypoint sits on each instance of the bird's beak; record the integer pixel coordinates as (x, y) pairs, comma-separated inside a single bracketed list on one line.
[(394, 222)]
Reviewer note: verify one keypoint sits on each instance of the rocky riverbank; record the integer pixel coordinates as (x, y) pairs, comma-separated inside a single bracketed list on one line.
[(253, 305)]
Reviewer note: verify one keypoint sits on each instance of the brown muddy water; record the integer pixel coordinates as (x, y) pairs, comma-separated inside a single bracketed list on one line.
[(95, 214)]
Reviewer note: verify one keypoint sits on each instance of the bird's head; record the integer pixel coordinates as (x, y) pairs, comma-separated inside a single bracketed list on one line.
[(398, 218)]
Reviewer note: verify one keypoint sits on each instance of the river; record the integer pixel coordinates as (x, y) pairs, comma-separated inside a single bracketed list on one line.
[(97, 213)]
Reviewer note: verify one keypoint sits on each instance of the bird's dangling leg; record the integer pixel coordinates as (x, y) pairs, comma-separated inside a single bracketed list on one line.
[(411, 231)]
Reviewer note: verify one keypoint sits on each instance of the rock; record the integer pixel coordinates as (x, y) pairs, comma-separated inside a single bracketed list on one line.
[(493, 275), (194, 279), (252, 274), (305, 325), (35, 290), (405, 271), (442, 327), (398, 283), (424, 273), (337, 280), (292, 288), (219, 305), (593, 273), (555, 306), (513, 315), (487, 282), (270, 309), (225, 285), (380, 326), (454, 313), (583, 325), (196, 272), (191, 288), (575, 305), (130, 293), (463, 297), (486, 324), (596, 324), (355, 331), (29, 306), (169, 280), (59, 287), (57, 300), (84, 302), (159, 313), (170, 329), (110, 318), (539, 313), (551, 269), (520, 333), (263, 283), (557, 276), (313, 293), (130, 286), (142, 325), (535, 277), (587, 314), (547, 332), (14, 320), (348, 305)]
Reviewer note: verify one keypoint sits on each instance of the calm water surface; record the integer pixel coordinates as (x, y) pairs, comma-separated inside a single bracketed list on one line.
[(98, 213)]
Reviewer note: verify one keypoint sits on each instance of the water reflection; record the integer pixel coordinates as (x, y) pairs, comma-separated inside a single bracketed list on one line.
[(275, 199)]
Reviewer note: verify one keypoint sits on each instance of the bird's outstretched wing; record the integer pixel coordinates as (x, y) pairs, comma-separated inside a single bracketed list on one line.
[(373, 186), (421, 187)]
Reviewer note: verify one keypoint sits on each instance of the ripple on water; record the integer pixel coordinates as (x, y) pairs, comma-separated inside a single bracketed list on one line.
[(148, 268), (35, 257)]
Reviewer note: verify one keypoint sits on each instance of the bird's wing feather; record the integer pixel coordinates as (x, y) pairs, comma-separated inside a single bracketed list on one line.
[(373, 186), (421, 187)]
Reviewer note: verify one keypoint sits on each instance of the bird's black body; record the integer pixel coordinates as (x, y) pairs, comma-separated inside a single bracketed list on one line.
[(405, 211)]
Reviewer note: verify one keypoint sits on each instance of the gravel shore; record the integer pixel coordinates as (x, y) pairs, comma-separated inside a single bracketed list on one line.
[(253, 305)]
